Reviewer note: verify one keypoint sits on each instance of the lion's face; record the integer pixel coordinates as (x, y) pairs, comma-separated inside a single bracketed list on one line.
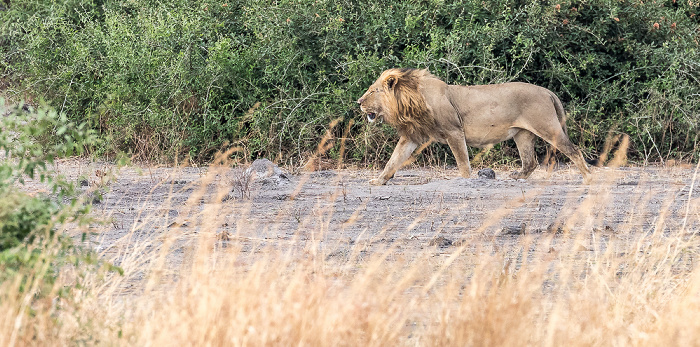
[(372, 104), (379, 101), (395, 98)]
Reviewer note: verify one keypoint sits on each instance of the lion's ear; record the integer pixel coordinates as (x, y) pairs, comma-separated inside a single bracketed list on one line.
[(390, 82)]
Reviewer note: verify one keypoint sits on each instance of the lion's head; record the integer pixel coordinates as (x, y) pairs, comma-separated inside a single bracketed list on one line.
[(396, 98)]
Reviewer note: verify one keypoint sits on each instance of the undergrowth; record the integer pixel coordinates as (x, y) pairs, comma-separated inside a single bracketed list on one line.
[(34, 251), (175, 80)]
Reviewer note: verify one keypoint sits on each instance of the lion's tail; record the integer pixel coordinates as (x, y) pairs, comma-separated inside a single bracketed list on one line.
[(561, 114)]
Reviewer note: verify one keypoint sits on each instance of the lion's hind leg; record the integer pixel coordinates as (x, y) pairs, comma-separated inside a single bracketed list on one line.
[(525, 140)]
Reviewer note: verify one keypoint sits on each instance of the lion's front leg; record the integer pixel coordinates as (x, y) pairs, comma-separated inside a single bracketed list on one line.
[(402, 152), (458, 146)]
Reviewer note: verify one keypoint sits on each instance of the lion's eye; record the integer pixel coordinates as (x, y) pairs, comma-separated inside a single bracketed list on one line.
[(374, 91)]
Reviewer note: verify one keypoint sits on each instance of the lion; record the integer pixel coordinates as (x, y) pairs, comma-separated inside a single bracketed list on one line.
[(423, 109)]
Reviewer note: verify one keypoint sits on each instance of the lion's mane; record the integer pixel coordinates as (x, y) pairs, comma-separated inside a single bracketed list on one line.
[(405, 105)]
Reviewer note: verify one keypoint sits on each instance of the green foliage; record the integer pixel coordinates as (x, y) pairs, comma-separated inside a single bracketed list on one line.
[(30, 141), (189, 78), (20, 216), (32, 250)]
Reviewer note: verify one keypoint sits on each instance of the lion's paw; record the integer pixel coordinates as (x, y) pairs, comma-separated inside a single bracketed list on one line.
[(377, 182)]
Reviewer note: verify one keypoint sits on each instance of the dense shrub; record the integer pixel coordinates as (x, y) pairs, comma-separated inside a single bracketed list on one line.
[(36, 257), (166, 79), (30, 142)]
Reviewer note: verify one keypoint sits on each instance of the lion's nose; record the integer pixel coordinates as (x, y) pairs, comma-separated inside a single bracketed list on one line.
[(360, 101)]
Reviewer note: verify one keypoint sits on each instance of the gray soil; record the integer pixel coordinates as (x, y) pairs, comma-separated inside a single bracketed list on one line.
[(336, 212)]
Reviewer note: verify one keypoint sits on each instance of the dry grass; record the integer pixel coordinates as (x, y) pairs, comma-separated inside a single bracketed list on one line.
[(640, 289)]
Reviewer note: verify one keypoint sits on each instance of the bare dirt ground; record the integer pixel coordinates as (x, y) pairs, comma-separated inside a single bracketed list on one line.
[(335, 213)]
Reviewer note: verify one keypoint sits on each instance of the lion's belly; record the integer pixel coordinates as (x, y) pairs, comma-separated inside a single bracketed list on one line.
[(493, 113), (485, 136), (489, 125)]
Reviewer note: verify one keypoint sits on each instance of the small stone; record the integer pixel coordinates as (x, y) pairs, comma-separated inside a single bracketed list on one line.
[(229, 196), (263, 169), (514, 229), (440, 242), (486, 173), (324, 174), (94, 198), (556, 228)]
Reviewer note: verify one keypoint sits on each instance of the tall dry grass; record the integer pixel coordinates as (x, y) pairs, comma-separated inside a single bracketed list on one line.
[(576, 288)]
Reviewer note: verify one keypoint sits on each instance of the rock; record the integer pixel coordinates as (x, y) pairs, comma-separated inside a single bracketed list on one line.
[(94, 198), (440, 242), (230, 196), (486, 173), (176, 224), (263, 169), (324, 174), (556, 228), (514, 229)]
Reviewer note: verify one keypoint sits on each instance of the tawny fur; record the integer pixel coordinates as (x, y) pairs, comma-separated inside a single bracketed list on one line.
[(423, 108)]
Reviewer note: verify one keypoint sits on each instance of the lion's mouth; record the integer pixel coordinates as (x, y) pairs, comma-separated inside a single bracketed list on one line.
[(371, 116)]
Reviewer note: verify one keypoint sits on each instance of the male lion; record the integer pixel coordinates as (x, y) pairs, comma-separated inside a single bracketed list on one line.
[(423, 108)]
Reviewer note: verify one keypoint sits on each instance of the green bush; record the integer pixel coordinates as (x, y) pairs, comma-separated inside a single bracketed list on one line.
[(33, 253), (173, 79), (30, 141)]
